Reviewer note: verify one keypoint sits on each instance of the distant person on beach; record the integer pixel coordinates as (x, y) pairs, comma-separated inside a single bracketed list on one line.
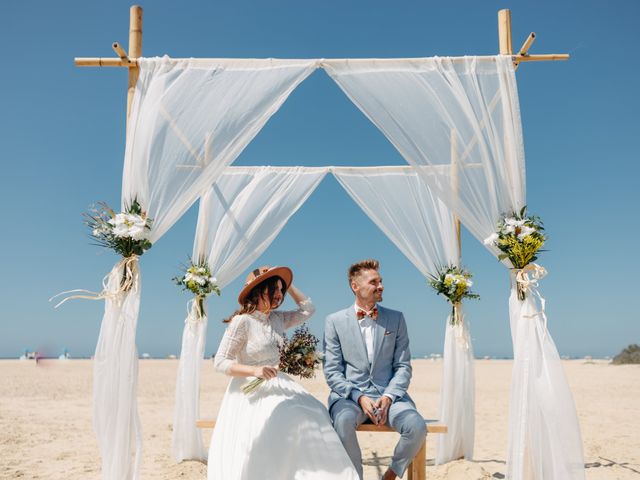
[(368, 368), (279, 431)]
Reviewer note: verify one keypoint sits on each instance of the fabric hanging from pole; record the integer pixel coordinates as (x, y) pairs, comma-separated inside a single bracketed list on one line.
[(188, 121)]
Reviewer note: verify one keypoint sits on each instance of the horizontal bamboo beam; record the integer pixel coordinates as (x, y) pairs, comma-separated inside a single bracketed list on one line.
[(541, 58), (105, 62), (133, 62)]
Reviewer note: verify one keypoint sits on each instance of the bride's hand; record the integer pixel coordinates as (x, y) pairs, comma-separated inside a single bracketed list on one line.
[(265, 372)]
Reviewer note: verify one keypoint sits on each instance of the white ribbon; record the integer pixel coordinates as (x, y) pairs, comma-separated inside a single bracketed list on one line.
[(195, 310), (527, 282), (130, 271)]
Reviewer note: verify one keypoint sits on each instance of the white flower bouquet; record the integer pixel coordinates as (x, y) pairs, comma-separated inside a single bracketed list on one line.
[(454, 283), (125, 233), (198, 279)]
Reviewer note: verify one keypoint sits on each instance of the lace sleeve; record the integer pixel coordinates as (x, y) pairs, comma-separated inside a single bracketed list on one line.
[(305, 311), (234, 339)]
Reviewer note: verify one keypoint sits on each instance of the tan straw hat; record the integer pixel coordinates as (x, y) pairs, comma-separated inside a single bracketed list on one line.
[(261, 274)]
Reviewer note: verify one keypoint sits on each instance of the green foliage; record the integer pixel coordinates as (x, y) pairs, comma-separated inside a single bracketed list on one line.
[(629, 355)]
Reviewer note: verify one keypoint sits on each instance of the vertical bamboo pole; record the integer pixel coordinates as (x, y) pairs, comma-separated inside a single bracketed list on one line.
[(504, 32), (135, 50), (455, 186)]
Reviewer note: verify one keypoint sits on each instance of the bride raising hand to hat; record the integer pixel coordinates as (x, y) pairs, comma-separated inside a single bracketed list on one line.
[(279, 431)]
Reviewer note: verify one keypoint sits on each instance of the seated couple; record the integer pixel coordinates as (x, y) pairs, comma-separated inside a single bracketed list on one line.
[(280, 431)]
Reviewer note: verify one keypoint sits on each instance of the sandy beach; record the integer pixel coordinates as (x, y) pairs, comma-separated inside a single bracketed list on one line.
[(46, 431)]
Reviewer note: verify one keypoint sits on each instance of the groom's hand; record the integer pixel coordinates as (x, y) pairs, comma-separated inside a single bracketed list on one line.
[(369, 408), (383, 405)]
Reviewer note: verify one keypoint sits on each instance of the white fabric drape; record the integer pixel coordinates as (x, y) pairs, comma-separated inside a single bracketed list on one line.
[(448, 111), (189, 119), (239, 217), (544, 433), (115, 373), (423, 228), (461, 116)]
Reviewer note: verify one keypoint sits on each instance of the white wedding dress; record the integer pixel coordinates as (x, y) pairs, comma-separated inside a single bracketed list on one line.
[(279, 431)]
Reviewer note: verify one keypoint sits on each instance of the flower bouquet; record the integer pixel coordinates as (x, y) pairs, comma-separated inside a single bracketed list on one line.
[(298, 356), (197, 278), (454, 283), (125, 233), (519, 237)]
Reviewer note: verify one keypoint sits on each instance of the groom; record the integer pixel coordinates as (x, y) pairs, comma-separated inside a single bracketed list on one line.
[(368, 368)]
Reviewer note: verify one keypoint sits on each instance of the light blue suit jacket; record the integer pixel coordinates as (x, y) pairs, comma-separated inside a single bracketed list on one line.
[(346, 366)]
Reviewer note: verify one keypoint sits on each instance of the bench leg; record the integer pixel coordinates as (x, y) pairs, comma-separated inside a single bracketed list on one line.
[(417, 467)]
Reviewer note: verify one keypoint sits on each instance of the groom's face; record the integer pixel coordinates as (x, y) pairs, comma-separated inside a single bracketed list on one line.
[(368, 286)]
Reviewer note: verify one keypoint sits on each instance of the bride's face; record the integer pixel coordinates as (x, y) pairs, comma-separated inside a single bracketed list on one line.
[(265, 303)]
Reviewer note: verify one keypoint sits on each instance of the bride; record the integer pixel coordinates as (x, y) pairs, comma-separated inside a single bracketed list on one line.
[(279, 431)]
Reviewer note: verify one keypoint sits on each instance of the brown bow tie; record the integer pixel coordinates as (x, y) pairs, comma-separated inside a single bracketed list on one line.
[(360, 314)]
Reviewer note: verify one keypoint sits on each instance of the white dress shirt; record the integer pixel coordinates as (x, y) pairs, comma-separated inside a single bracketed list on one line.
[(367, 328)]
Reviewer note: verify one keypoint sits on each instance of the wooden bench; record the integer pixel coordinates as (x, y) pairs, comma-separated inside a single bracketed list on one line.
[(417, 467)]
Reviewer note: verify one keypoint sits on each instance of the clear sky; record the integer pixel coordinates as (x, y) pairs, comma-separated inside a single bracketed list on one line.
[(62, 145)]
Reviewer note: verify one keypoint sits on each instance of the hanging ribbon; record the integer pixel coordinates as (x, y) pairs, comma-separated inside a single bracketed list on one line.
[(457, 324), (195, 310), (527, 279), (130, 273), (527, 283)]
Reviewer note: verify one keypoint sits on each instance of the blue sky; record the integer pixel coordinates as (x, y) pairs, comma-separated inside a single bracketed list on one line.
[(62, 146)]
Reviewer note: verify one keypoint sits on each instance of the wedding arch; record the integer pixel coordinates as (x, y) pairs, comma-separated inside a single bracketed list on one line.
[(456, 122)]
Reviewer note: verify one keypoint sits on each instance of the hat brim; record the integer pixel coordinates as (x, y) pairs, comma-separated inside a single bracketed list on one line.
[(284, 273)]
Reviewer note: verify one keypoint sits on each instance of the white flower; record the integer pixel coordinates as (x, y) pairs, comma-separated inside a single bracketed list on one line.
[(491, 239), (129, 225), (525, 231), (213, 279), (513, 222)]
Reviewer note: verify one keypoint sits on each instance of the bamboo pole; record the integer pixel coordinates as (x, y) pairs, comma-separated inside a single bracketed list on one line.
[(455, 187), (504, 32), (524, 50), (119, 51), (135, 50)]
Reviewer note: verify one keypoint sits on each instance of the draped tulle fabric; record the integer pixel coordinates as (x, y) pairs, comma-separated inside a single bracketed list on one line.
[(115, 379), (186, 439), (239, 217), (457, 122), (457, 395), (423, 228), (189, 119), (544, 434)]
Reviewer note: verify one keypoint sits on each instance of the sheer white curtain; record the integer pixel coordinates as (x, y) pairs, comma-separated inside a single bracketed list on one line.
[(418, 104), (424, 229), (189, 120), (239, 217)]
